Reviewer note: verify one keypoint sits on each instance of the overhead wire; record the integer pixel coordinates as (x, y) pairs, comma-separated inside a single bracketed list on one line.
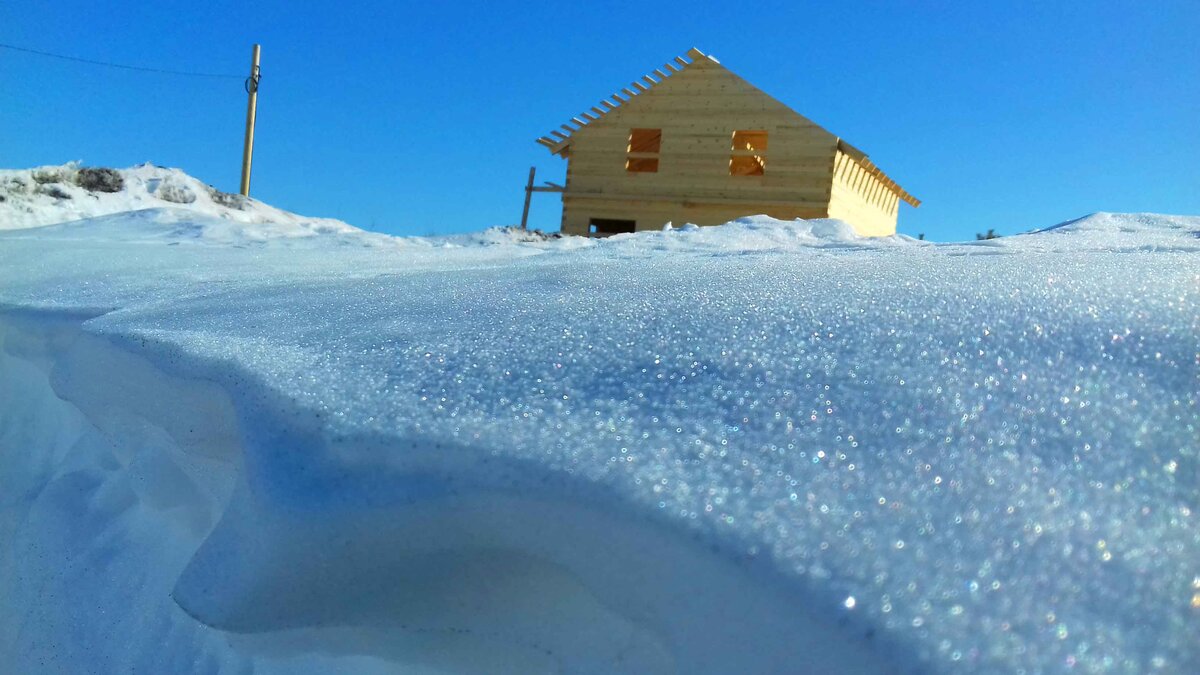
[(161, 71)]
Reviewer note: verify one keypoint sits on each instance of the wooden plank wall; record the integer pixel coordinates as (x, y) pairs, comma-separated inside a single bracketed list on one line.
[(651, 214), (861, 199), (698, 109)]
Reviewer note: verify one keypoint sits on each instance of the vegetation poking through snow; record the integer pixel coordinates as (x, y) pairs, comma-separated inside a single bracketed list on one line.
[(99, 180), (54, 174), (52, 190), (174, 191), (229, 200), (48, 195)]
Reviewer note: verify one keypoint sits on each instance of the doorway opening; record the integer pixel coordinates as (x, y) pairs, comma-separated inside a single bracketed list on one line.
[(606, 227)]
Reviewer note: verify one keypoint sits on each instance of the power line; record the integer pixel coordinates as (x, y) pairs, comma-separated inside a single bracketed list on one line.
[(161, 71)]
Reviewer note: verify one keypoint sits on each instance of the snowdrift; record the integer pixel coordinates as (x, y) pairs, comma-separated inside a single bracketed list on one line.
[(764, 448), (49, 195)]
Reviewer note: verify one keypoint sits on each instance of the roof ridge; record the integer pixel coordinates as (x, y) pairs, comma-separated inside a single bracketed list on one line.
[(557, 140)]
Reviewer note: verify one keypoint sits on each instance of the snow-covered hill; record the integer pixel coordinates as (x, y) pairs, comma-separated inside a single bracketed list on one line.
[(766, 447), (49, 195)]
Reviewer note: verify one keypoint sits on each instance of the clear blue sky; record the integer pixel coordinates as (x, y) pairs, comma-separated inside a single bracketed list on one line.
[(416, 118)]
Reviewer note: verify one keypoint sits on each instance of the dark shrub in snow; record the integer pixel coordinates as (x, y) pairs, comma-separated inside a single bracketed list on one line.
[(99, 180), (176, 193), (48, 174), (53, 191), (227, 199)]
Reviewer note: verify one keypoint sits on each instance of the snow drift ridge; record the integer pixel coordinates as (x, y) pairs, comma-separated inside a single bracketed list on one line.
[(56, 194), (481, 579)]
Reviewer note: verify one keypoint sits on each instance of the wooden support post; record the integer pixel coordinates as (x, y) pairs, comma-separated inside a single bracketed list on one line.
[(528, 196), (251, 112)]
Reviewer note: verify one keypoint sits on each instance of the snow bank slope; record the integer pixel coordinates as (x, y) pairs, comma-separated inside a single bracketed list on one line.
[(57, 194), (815, 455), (1116, 231)]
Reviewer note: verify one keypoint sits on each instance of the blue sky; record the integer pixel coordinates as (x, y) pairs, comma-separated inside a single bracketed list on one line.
[(419, 118)]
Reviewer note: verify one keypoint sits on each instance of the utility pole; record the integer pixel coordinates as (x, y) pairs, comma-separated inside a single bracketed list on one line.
[(251, 111)]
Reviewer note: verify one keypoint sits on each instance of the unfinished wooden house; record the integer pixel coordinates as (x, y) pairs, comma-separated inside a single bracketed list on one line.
[(694, 143)]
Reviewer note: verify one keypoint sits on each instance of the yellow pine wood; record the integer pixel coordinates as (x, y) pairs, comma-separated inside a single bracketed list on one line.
[(698, 106)]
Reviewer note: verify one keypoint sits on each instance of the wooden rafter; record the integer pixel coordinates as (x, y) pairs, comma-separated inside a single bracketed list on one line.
[(561, 141), (860, 158)]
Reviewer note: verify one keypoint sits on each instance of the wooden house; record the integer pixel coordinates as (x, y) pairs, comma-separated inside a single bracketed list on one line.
[(693, 142)]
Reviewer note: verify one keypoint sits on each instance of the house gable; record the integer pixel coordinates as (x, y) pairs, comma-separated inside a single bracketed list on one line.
[(695, 172)]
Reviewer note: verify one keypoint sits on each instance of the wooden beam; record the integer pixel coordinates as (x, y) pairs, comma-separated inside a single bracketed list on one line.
[(649, 80), (671, 67), (639, 86), (561, 136), (862, 162), (681, 61), (590, 116), (661, 73), (528, 193), (851, 150), (607, 105), (752, 201)]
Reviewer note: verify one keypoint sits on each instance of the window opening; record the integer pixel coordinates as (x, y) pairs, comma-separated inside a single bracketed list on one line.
[(642, 150), (604, 227), (749, 153)]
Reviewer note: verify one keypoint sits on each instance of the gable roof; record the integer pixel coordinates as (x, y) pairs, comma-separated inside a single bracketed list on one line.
[(557, 141), (560, 140)]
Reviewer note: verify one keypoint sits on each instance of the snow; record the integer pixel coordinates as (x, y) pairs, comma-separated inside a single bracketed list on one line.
[(49, 195), (766, 447)]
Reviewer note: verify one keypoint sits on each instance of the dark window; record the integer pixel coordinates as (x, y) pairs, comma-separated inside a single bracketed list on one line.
[(603, 227)]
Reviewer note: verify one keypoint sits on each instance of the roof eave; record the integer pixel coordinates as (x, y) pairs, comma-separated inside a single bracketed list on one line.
[(870, 167), (558, 146)]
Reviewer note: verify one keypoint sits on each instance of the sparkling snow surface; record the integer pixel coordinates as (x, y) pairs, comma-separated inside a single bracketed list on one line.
[(982, 455)]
